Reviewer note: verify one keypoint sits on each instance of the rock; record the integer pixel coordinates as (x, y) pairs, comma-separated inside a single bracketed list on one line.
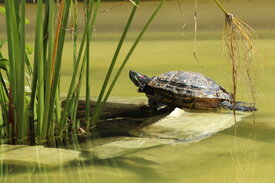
[(180, 127), (36, 155), (189, 126)]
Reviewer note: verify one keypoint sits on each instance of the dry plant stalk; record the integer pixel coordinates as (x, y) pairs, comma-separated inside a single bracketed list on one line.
[(57, 33), (239, 39)]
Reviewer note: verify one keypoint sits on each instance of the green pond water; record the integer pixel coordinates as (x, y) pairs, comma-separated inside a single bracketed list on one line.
[(189, 147)]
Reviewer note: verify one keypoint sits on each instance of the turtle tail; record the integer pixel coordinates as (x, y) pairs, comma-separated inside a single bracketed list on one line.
[(240, 106)]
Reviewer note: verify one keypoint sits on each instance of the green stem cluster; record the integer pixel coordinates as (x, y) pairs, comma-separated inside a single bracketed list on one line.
[(101, 103), (36, 116)]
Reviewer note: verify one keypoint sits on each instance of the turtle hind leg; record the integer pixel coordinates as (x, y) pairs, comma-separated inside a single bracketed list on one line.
[(144, 88), (240, 106)]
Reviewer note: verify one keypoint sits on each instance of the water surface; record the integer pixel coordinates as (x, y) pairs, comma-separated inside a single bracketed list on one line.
[(242, 153)]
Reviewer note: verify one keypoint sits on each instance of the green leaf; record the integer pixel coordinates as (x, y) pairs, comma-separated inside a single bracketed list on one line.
[(3, 10), (4, 63), (2, 43), (27, 21), (29, 49)]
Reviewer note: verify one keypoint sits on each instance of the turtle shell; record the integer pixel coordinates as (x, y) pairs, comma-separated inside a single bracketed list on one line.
[(184, 84)]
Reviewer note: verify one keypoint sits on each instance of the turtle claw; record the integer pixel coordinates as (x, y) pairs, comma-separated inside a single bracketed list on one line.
[(155, 106)]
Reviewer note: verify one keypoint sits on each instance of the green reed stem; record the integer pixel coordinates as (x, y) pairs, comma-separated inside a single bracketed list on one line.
[(74, 31), (58, 66), (39, 68), (48, 68), (88, 95), (3, 105), (78, 89), (77, 93), (58, 110), (10, 126), (2, 124), (23, 125), (14, 58), (87, 104), (128, 56), (49, 43), (45, 29), (73, 102), (38, 58), (96, 112), (72, 84), (87, 58)]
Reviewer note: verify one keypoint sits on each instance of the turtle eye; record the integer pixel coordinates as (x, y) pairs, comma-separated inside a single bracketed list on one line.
[(136, 77)]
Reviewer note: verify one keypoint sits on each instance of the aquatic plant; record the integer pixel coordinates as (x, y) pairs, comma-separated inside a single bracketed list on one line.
[(239, 40), (36, 115)]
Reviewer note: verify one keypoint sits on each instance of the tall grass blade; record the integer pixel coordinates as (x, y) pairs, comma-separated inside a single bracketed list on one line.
[(109, 72), (10, 128), (101, 106), (39, 69), (74, 29), (44, 117), (2, 124), (4, 97), (14, 57), (4, 107), (48, 68), (72, 84), (77, 92), (87, 104), (58, 50), (34, 83), (23, 123), (87, 58)]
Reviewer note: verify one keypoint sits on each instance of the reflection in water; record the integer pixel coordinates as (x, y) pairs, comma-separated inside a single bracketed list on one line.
[(162, 153), (96, 159)]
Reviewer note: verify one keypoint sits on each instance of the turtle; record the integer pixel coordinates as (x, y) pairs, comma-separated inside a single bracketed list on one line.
[(186, 89)]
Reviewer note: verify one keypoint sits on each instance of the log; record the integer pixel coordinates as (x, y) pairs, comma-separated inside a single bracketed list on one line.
[(121, 119)]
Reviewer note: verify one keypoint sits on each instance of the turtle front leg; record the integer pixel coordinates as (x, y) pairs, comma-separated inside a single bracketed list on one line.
[(155, 106), (142, 88)]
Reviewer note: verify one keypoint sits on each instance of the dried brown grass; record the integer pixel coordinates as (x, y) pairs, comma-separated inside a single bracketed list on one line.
[(239, 39)]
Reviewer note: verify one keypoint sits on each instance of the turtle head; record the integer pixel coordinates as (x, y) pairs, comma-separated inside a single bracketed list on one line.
[(138, 79)]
